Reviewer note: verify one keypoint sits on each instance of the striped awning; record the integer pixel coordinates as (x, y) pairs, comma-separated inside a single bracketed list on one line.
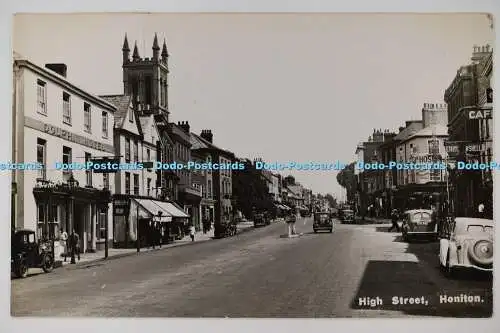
[(172, 209), (155, 211)]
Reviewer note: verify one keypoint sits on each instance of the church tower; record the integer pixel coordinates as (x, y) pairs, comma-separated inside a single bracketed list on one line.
[(146, 79)]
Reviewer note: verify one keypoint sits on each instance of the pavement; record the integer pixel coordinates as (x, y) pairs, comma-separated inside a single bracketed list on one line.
[(260, 274), (87, 258)]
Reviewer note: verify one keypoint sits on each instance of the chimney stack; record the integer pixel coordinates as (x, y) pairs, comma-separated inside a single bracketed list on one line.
[(184, 125), (60, 69), (207, 135)]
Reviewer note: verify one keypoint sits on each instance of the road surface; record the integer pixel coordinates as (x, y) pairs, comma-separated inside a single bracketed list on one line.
[(261, 274)]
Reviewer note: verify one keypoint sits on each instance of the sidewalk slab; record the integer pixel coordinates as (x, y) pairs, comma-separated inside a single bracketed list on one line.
[(90, 258)]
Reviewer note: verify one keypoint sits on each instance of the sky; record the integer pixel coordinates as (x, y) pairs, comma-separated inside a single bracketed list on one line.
[(281, 87)]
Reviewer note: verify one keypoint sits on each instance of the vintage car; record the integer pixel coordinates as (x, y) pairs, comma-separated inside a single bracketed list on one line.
[(347, 215), (466, 243), (322, 221), (261, 219), (27, 253), (418, 224)]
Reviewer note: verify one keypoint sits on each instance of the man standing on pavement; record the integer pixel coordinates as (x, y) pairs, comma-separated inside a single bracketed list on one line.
[(394, 219), (74, 241), (192, 231)]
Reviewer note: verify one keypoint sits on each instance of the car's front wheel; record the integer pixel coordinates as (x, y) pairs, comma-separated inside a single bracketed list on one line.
[(47, 263)]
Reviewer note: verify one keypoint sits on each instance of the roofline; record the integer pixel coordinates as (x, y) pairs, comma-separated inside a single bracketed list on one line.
[(416, 135), (64, 82), (211, 146)]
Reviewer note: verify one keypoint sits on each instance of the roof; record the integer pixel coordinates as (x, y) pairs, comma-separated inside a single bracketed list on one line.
[(433, 130), (62, 81), (409, 131), (295, 189), (197, 142), (122, 103), (473, 220), (462, 223)]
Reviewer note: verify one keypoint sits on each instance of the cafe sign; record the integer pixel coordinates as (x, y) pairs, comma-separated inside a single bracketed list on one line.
[(67, 135), (479, 114)]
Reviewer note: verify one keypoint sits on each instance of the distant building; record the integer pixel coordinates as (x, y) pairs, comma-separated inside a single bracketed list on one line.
[(188, 196), (421, 188), (222, 179)]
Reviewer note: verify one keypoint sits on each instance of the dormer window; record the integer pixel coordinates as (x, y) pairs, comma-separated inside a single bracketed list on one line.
[(131, 114)]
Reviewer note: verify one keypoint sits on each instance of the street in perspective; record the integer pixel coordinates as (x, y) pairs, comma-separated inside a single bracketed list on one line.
[(272, 201), (259, 273)]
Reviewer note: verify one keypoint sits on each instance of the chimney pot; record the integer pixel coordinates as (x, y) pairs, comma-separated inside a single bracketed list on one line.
[(58, 68)]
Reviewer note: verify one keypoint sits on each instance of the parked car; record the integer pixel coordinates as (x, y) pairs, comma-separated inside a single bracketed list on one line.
[(347, 215), (261, 219), (418, 224), (322, 221), (26, 253), (466, 243)]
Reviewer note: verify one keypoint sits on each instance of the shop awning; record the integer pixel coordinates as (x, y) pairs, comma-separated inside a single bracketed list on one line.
[(172, 209), (152, 207)]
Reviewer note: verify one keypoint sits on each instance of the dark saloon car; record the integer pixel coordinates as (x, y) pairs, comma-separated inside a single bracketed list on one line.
[(26, 253), (418, 225), (347, 216), (323, 221), (261, 219)]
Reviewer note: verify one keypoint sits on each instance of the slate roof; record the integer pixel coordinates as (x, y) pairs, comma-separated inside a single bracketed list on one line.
[(409, 131), (122, 103), (438, 130), (295, 189), (197, 142)]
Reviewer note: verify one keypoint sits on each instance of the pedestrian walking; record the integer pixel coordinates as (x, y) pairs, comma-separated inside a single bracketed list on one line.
[(192, 231), (394, 220)]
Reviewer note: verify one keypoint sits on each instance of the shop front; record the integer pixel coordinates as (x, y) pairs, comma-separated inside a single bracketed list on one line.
[(190, 198), (420, 196), (207, 213), (66, 207), (138, 217)]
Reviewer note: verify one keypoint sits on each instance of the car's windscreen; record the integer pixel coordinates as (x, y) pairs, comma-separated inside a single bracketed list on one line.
[(479, 228), (322, 217), (421, 218)]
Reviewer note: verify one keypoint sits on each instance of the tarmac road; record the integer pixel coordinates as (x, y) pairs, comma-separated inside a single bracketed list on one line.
[(260, 274)]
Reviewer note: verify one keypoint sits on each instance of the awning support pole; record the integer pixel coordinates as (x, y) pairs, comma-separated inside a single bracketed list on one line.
[(137, 233)]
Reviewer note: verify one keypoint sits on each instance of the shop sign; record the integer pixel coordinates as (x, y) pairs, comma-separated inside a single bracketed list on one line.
[(479, 114), (472, 148), (67, 135), (120, 207), (452, 148)]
